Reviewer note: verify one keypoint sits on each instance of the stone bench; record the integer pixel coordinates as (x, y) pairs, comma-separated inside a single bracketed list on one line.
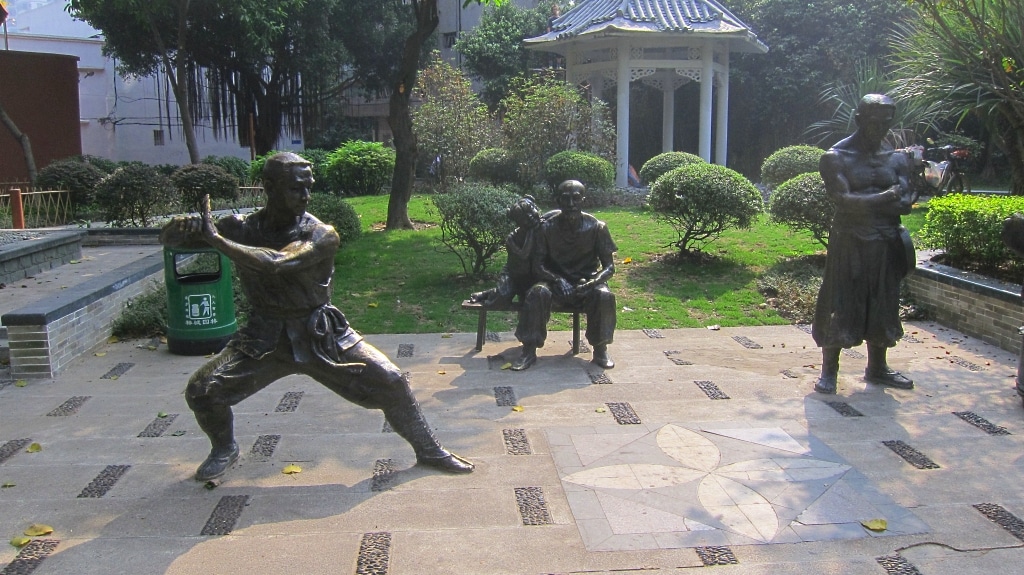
[(481, 324)]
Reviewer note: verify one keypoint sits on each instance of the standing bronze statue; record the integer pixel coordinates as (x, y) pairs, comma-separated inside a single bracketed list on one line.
[(285, 261), (572, 263), (869, 252)]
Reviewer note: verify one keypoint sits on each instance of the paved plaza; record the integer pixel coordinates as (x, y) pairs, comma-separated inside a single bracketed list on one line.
[(701, 450)]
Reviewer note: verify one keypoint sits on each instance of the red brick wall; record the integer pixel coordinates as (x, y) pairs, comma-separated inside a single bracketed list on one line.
[(40, 93)]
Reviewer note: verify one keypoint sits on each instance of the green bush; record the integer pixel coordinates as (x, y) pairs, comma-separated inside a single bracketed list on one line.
[(361, 168), (143, 316), (495, 166), (134, 195), (803, 204), (789, 162), (594, 171), (666, 162), (193, 181), (237, 167), (323, 184), (104, 165), (78, 177), (474, 223), (700, 201), (337, 212), (968, 229)]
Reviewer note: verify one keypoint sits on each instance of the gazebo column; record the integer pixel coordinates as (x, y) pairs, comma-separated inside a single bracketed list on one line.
[(622, 117), (668, 117), (722, 112), (707, 61)]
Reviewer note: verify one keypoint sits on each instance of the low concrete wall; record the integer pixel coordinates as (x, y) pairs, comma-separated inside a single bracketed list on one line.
[(46, 336), (23, 259), (978, 306)]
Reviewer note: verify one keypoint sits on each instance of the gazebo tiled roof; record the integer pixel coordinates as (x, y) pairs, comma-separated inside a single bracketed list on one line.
[(663, 16)]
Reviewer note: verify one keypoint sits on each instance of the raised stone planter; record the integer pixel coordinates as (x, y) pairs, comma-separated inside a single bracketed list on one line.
[(43, 251), (981, 307)]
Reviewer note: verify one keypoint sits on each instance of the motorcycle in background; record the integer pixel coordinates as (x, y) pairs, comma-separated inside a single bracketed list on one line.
[(938, 170)]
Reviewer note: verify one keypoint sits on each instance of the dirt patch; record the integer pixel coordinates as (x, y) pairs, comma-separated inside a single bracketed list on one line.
[(381, 226)]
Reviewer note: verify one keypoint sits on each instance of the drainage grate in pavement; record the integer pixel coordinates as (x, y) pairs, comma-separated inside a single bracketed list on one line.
[(374, 553), (964, 363), (844, 409), (158, 426), (982, 423), (69, 407), (676, 360), (584, 347), (712, 390), (383, 474), (623, 413), (911, 455), (493, 336), (600, 378), (7, 450), (117, 371), (789, 374), (1003, 518), (716, 556), (387, 427), (264, 446), (225, 515), (853, 354), (652, 333), (532, 506), (804, 327), (30, 556), (897, 565), (516, 442), (504, 396), (290, 402), (910, 339), (406, 349), (104, 481), (746, 342)]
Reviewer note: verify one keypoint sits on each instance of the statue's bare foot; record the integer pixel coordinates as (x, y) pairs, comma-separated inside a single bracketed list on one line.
[(217, 463), (826, 384), (449, 463)]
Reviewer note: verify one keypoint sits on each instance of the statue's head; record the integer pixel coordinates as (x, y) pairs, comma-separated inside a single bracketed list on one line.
[(525, 212), (287, 179), (570, 196), (875, 113)]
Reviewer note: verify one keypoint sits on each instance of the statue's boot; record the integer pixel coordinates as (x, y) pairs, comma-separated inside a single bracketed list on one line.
[(218, 425), (528, 358), (879, 372), (601, 357), (829, 378), (408, 422)]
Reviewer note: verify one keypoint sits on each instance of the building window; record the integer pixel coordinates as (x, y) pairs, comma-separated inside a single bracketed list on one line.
[(158, 137), (450, 38)]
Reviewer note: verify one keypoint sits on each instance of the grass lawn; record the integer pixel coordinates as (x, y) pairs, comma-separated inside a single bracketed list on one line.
[(405, 281)]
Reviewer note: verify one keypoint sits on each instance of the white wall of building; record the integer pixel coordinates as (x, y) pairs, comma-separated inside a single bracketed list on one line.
[(122, 119)]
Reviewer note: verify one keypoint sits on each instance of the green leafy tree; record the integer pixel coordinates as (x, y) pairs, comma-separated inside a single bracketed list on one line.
[(701, 200), (475, 223), (544, 116), (494, 51), (968, 55), (451, 123)]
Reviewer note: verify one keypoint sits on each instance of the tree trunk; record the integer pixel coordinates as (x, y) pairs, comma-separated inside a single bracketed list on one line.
[(400, 119), (177, 73), (26, 145)]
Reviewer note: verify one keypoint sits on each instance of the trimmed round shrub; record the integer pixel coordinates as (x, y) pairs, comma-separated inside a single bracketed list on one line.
[(495, 166), (594, 171), (193, 181), (361, 168), (323, 183), (789, 162), (700, 201), (134, 196), (78, 177), (103, 164), (337, 212), (666, 162), (801, 203), (237, 167), (474, 222)]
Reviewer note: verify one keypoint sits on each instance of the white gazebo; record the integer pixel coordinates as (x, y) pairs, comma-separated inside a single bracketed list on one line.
[(663, 43)]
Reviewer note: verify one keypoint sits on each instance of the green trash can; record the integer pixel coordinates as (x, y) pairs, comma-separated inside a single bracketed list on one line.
[(200, 300)]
